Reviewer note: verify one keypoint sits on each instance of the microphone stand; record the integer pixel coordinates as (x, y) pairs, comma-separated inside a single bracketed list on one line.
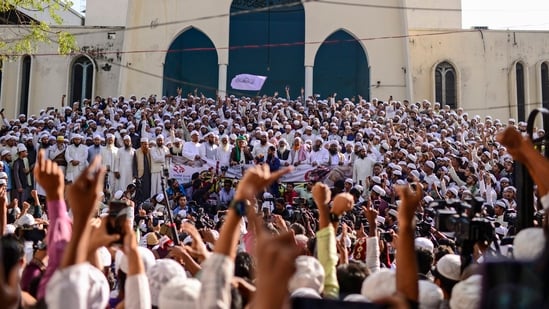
[(169, 210)]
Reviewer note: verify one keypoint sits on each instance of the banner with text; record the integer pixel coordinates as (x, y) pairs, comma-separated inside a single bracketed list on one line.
[(183, 169)]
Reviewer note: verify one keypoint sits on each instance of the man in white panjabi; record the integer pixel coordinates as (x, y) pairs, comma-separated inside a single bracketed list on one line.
[(191, 150), (159, 154), (224, 151), (208, 150), (123, 164), (109, 153), (76, 155), (319, 155)]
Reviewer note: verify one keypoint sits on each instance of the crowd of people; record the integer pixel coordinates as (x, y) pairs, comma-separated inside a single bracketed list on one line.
[(400, 204)]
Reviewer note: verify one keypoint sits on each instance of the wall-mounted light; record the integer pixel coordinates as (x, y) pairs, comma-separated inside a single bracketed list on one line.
[(378, 83), (106, 67), (111, 35)]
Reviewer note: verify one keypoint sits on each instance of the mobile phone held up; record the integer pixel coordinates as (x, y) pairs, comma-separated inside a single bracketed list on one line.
[(119, 213)]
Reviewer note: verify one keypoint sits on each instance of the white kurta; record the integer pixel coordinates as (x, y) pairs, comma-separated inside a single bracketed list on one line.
[(124, 165), (224, 156), (79, 154), (109, 155), (158, 158), (191, 150), (320, 157), (362, 169)]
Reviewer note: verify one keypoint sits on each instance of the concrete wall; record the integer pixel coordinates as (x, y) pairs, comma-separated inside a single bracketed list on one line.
[(107, 13), (142, 72), (51, 73), (433, 14), (484, 61), (375, 27)]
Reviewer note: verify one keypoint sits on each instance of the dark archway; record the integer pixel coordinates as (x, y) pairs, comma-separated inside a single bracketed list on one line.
[(191, 63), (341, 66), (25, 84), (268, 42)]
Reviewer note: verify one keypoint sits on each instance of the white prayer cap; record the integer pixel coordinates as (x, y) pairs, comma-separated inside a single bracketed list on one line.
[(309, 274), (180, 293), (160, 274)]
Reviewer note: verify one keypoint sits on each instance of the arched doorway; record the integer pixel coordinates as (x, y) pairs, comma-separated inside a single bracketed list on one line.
[(269, 42), (341, 67), (191, 63)]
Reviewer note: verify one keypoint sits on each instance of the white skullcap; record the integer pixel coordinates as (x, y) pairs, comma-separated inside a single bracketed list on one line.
[(180, 293), (467, 293), (377, 189), (118, 194), (160, 274), (309, 274), (528, 244), (424, 243), (71, 286), (430, 295), (379, 285), (449, 266)]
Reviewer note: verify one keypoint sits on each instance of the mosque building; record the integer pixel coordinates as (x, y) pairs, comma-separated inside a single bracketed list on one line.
[(407, 49)]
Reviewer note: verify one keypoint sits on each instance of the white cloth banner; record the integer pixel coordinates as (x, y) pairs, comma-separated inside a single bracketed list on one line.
[(248, 82), (182, 170)]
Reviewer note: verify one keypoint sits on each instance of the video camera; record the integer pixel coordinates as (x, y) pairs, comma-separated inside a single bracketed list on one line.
[(463, 219)]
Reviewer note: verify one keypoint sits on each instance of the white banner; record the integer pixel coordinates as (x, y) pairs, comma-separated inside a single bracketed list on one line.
[(182, 170), (248, 82)]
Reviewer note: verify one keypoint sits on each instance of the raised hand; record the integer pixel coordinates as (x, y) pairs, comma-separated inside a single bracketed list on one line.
[(83, 195), (321, 194), (50, 177), (256, 179), (343, 202), (514, 142), (275, 264), (198, 248), (410, 202), (99, 236)]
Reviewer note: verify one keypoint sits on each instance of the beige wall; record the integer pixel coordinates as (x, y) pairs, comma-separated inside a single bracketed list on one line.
[(143, 72), (50, 73), (433, 14), (387, 57), (107, 12), (485, 64)]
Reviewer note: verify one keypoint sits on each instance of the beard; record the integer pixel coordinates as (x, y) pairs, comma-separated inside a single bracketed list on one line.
[(316, 148), (361, 155), (333, 151), (176, 149)]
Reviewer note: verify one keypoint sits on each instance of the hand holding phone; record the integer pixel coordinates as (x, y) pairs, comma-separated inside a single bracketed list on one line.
[(119, 213)]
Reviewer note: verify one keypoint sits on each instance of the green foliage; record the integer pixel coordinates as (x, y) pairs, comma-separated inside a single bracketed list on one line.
[(24, 36)]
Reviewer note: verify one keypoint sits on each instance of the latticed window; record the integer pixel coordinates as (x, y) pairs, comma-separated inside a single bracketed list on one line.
[(81, 79), (545, 85), (445, 84), (521, 99)]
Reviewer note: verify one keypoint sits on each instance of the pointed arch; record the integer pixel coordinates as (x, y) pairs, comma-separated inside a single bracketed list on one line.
[(446, 83), (520, 88), (268, 42), (82, 78), (191, 63), (341, 65)]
